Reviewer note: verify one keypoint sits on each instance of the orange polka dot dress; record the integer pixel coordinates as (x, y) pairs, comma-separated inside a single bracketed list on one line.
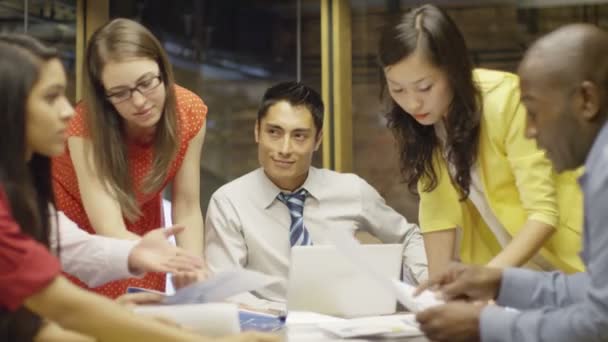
[(191, 114)]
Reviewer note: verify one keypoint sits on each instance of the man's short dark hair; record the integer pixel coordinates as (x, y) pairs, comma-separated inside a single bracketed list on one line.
[(296, 94)]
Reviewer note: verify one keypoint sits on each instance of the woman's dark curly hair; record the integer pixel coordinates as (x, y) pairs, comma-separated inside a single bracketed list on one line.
[(430, 29)]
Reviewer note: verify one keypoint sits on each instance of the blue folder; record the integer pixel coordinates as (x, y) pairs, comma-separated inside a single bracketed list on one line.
[(260, 321)]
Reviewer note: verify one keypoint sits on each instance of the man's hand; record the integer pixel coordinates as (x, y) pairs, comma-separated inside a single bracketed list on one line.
[(454, 321), (140, 298), (185, 278), (460, 281), (154, 253)]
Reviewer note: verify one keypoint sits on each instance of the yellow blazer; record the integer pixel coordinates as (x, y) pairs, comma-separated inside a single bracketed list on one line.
[(518, 183)]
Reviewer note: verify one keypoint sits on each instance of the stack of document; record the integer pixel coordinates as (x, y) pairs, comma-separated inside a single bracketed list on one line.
[(378, 326), (302, 324)]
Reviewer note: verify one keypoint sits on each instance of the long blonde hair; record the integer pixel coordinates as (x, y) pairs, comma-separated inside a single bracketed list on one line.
[(118, 40)]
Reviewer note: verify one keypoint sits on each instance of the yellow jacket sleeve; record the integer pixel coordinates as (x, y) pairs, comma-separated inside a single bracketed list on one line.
[(439, 208), (532, 170)]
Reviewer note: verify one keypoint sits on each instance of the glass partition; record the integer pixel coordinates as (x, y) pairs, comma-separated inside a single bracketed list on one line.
[(53, 22)]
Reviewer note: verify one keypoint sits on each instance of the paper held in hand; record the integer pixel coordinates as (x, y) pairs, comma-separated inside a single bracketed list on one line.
[(216, 288)]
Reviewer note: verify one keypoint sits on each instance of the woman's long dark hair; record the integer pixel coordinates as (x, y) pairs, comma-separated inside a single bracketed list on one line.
[(432, 30), (27, 185)]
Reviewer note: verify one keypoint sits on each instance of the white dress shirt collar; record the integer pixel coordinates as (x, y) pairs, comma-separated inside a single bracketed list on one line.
[(269, 190)]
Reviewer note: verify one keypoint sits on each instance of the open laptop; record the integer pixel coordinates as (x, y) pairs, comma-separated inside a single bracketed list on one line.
[(322, 280)]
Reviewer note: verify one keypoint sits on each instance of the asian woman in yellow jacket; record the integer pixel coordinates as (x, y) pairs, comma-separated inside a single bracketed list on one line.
[(488, 195)]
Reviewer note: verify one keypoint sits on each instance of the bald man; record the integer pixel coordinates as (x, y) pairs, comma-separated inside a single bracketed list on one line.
[(564, 87)]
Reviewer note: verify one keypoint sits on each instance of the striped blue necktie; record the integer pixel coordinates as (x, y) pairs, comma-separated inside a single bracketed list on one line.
[(298, 235)]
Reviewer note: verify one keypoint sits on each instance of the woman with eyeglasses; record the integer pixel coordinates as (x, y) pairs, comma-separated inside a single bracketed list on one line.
[(135, 132)]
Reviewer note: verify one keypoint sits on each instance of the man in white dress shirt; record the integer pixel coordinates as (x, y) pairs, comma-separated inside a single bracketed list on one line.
[(253, 221), (97, 259)]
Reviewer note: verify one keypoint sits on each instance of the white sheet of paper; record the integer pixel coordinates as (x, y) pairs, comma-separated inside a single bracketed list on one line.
[(306, 318), (423, 301), (347, 245), (221, 286), (212, 319)]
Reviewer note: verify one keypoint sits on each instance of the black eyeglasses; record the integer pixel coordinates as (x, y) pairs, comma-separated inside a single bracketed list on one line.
[(144, 87)]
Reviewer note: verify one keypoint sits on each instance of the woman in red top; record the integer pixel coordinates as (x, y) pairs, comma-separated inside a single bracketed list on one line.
[(135, 132), (34, 114)]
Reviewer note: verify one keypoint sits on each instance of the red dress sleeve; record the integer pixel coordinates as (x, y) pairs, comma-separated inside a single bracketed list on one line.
[(26, 266), (192, 113), (77, 126)]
